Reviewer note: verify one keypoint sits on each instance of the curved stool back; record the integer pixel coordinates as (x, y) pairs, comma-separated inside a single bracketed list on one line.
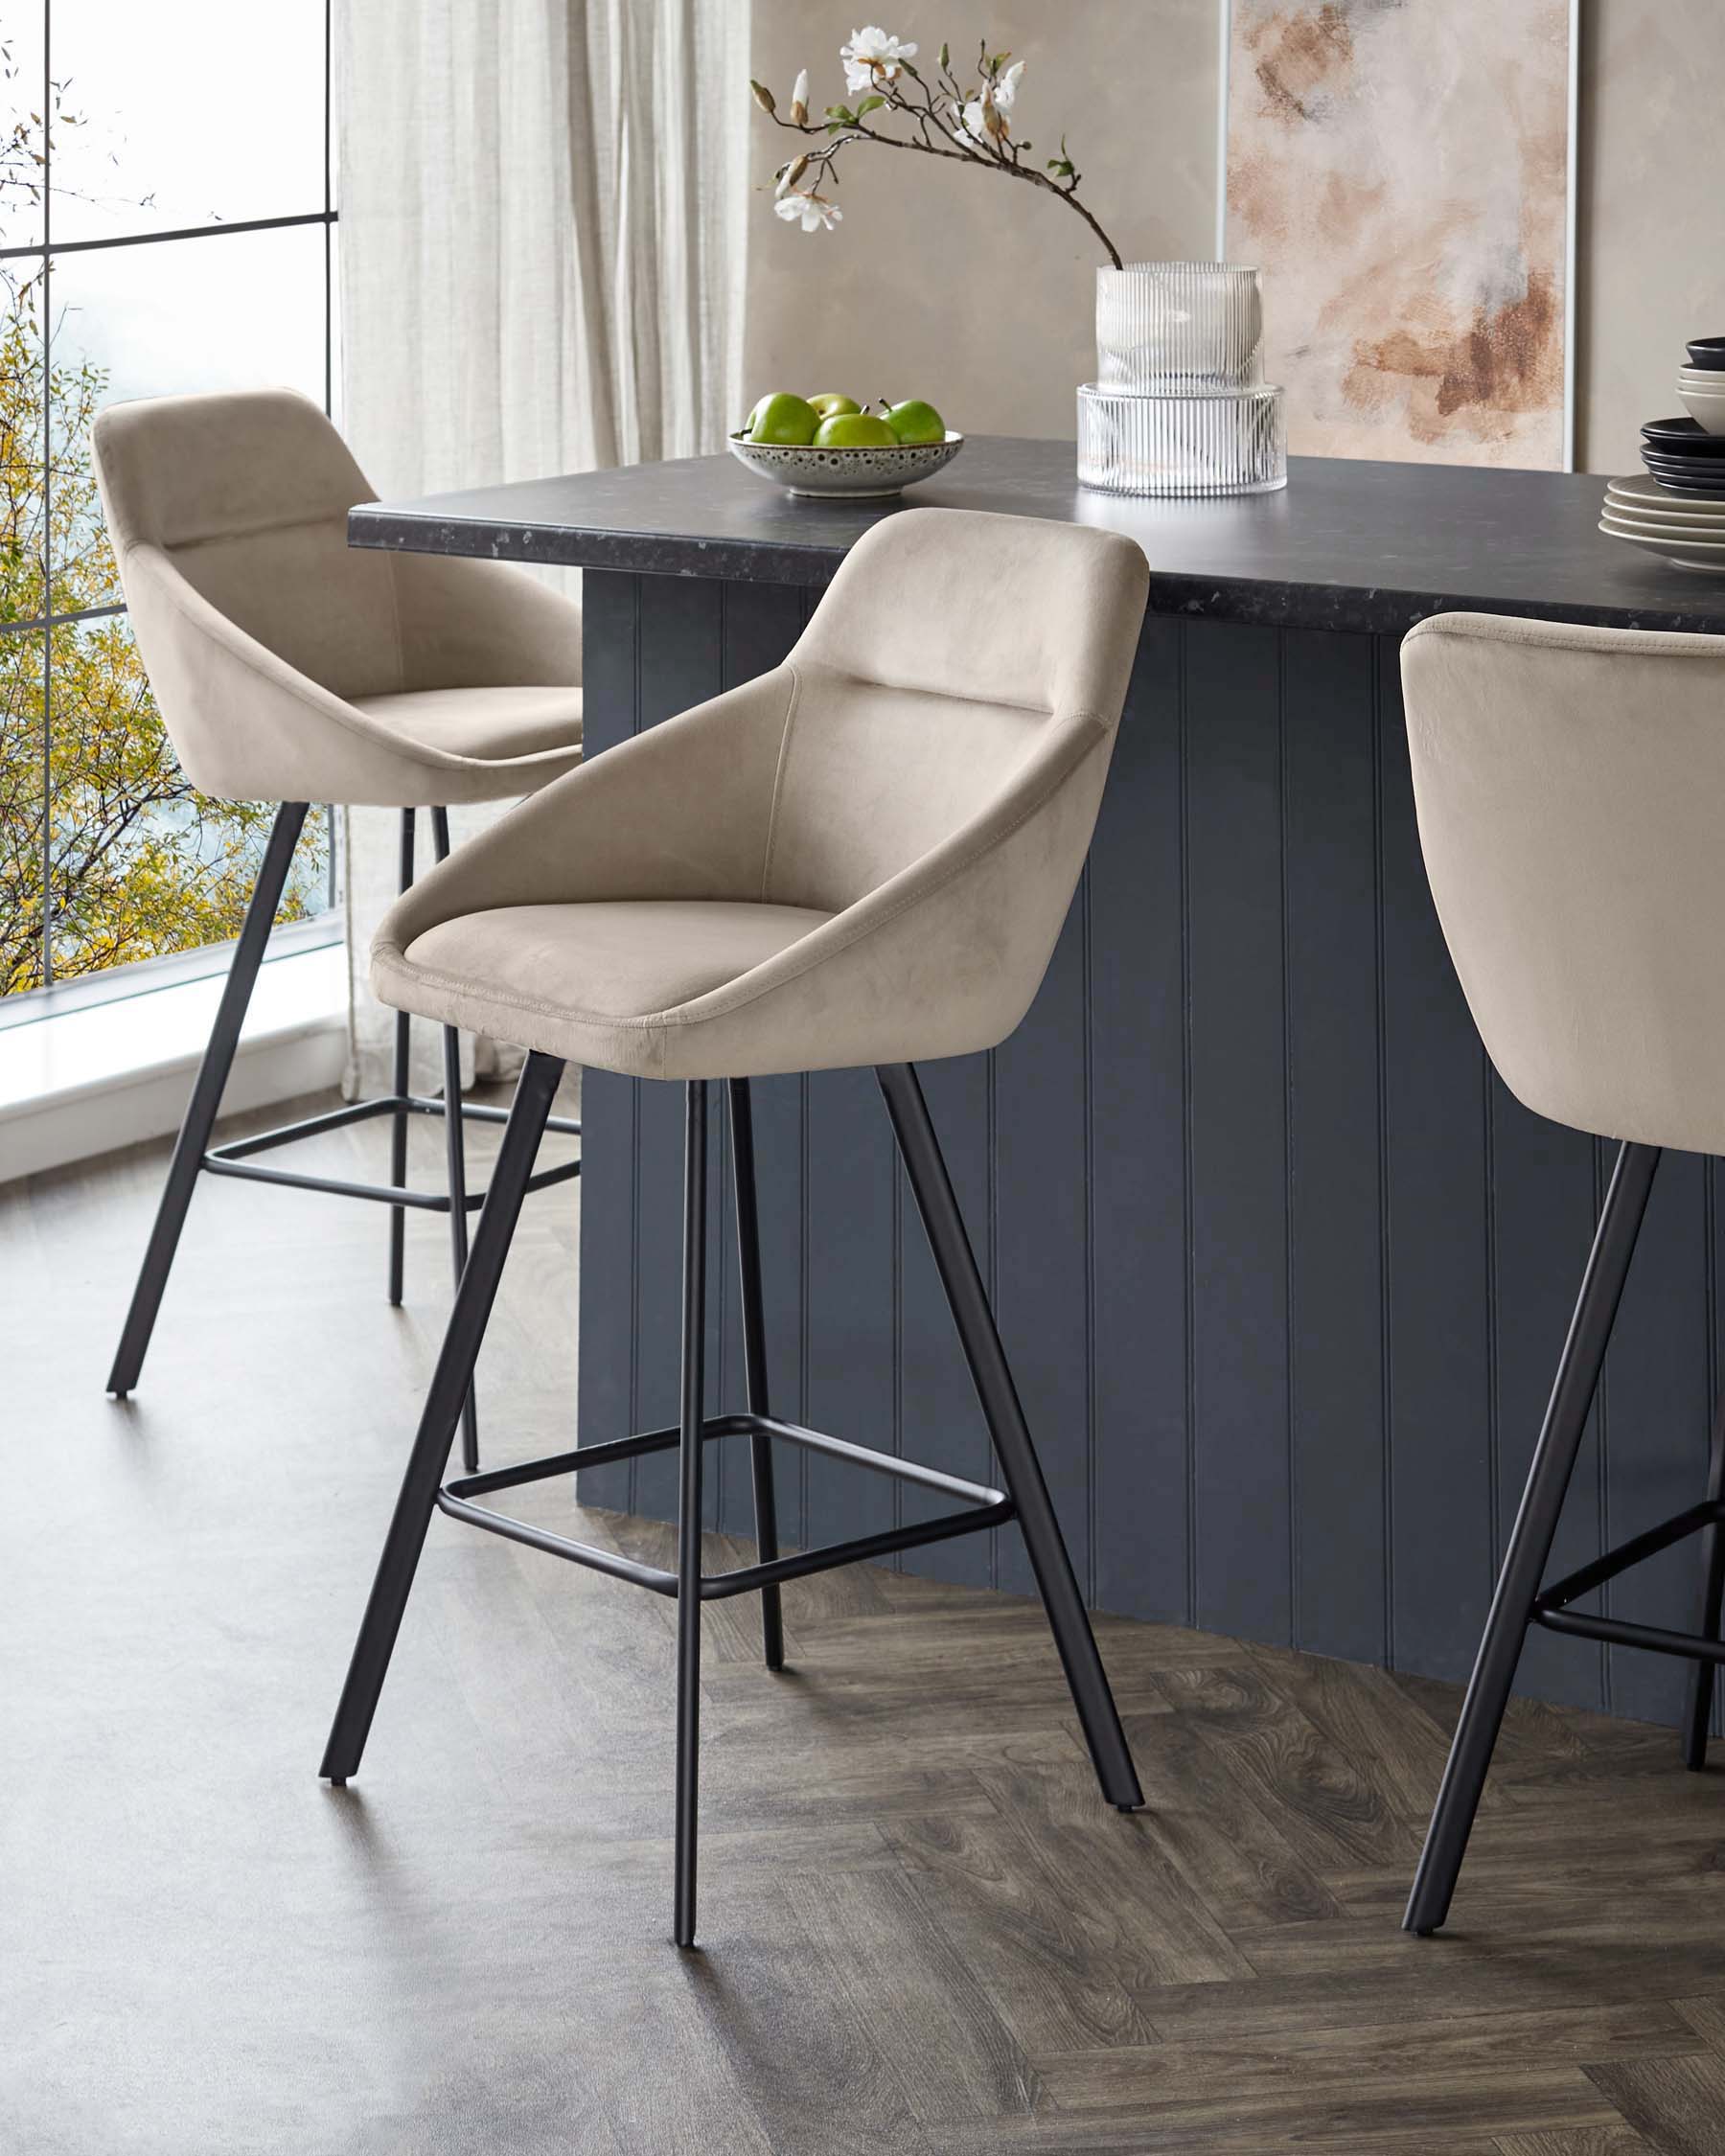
[(1568, 783)]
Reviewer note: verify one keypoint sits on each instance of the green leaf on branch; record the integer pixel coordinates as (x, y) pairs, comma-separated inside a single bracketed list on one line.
[(841, 115), (869, 105)]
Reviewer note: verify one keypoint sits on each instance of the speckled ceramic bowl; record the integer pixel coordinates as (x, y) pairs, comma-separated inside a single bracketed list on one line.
[(856, 474)]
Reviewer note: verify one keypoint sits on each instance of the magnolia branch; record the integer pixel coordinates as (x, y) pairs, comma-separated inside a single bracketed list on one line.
[(960, 127)]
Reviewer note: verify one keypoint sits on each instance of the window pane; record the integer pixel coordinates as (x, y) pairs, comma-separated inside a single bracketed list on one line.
[(208, 110), (144, 864), (241, 311), (238, 311), (21, 124), (22, 593), (21, 657)]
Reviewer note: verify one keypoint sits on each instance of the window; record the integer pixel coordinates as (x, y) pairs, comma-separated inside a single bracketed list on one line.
[(167, 223)]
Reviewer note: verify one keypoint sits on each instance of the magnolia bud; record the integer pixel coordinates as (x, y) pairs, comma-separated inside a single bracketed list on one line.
[(799, 98), (763, 97), (791, 173)]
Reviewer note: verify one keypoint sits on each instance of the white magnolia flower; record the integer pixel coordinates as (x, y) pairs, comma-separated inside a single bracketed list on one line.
[(816, 213), (872, 57), (971, 116), (799, 97)]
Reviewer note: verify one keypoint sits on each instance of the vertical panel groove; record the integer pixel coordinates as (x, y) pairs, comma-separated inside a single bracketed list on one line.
[(1710, 1262), (1602, 1419), (1290, 1370), (1386, 1329), (1089, 1245), (1189, 1313), (994, 1260), (802, 1298), (636, 1418), (1493, 1372)]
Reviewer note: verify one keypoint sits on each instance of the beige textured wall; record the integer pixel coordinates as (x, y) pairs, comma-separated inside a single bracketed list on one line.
[(960, 286), (975, 293), (1652, 200)]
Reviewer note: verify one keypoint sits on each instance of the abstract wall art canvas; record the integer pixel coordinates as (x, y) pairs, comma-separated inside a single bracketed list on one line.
[(1399, 171)]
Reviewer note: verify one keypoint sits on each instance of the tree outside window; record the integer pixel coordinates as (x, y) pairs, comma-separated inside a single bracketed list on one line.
[(107, 853)]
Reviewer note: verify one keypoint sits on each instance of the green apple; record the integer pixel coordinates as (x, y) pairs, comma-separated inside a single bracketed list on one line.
[(830, 404), (783, 419), (913, 422), (855, 431)]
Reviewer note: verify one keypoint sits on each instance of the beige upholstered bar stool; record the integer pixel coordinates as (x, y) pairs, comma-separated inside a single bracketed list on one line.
[(863, 857), (1569, 782), (288, 668)]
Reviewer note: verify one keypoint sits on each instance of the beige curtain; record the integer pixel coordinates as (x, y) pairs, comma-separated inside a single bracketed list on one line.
[(541, 267)]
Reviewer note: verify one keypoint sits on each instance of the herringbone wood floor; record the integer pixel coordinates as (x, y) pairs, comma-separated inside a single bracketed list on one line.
[(923, 1931)]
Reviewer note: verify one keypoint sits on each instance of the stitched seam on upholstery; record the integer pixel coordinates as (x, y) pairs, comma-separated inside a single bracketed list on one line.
[(934, 695), (779, 780), (258, 531), (658, 1019)]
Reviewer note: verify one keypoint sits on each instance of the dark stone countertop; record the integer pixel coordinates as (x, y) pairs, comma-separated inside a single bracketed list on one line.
[(1350, 545)]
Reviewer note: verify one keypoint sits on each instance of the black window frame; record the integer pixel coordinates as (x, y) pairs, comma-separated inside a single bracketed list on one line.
[(130, 978)]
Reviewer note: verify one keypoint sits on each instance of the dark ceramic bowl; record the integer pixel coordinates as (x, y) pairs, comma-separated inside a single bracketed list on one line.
[(1682, 438), (1707, 352)]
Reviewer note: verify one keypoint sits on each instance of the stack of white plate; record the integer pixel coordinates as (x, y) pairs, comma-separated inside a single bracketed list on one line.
[(1688, 528)]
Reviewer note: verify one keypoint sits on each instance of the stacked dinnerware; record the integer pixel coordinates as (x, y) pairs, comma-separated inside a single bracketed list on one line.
[(1678, 511), (1681, 454), (1687, 528), (1179, 405)]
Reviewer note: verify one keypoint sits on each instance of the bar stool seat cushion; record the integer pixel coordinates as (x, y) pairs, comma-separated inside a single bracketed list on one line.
[(596, 968), (864, 856), (487, 725)]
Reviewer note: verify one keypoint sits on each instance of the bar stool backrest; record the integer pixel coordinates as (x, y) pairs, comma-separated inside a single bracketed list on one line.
[(952, 653), (1571, 785), (247, 496), (228, 515)]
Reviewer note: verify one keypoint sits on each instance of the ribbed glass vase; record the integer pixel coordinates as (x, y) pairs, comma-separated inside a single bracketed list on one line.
[(1131, 441), (1179, 324)]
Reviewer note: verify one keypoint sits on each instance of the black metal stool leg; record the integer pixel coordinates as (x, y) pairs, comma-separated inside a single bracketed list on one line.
[(1698, 1709), (193, 1139), (690, 1441), (1531, 1538), (403, 1071), (450, 1385), (939, 1206), (754, 1360), (455, 1154)]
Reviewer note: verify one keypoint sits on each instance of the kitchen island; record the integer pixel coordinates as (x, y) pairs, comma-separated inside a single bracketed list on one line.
[(1283, 1268)]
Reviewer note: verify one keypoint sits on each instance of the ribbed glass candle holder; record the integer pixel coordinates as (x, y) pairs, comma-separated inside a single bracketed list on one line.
[(1179, 324), (1130, 443)]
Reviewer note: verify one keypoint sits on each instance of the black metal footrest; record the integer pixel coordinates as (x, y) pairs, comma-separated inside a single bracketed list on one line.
[(984, 1507), (235, 1159), (1551, 1608)]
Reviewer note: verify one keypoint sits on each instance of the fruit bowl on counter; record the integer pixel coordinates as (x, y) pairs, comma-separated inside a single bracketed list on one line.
[(828, 446)]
